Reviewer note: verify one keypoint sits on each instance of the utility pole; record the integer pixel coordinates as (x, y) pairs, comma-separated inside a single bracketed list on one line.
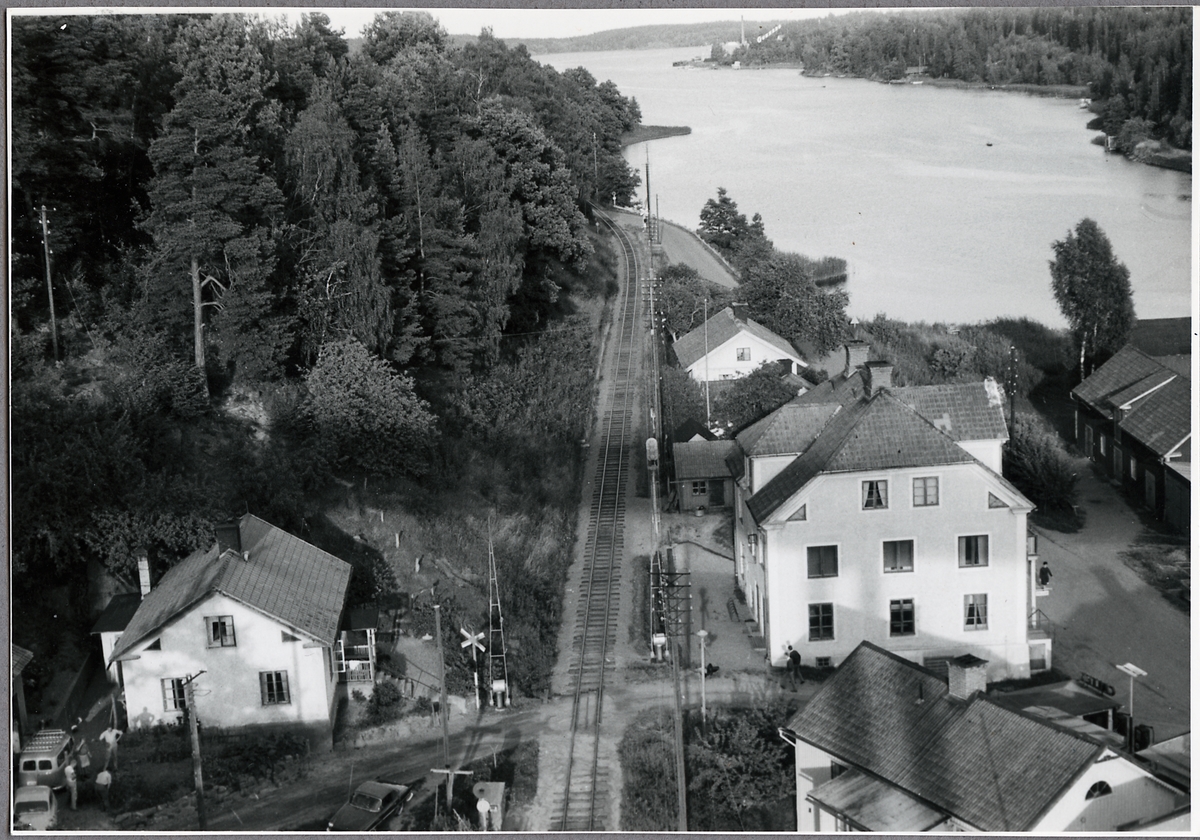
[(189, 695), (49, 284), (707, 403), (595, 160), (437, 624), (680, 770)]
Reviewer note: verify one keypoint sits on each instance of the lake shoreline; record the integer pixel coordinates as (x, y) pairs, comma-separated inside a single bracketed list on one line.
[(646, 133)]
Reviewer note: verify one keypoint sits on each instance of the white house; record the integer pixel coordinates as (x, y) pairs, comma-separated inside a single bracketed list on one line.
[(730, 345), (887, 745), (865, 512), (258, 613)]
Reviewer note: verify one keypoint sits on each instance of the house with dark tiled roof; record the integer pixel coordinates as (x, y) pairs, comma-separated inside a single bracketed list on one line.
[(702, 478), (1133, 416), (888, 745), (730, 345), (260, 614), (870, 512)]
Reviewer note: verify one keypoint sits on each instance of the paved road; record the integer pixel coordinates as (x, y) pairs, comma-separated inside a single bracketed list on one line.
[(1104, 615), (680, 245)]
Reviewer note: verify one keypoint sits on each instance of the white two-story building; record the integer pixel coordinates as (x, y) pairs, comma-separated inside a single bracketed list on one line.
[(866, 512), (254, 621)]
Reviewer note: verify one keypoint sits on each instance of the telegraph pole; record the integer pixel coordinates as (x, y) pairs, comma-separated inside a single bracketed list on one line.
[(49, 284), (189, 695), (437, 624)]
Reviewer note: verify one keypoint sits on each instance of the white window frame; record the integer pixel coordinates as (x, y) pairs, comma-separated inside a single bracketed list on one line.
[(832, 622), (881, 490), (743, 350), (176, 700), (937, 491), (226, 637), (269, 692), (912, 557), (972, 600), (961, 554)]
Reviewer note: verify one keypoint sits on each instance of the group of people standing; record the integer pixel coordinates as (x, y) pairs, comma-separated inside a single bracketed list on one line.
[(79, 766)]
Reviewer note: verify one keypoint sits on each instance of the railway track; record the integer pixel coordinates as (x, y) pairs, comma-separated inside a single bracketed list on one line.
[(585, 798)]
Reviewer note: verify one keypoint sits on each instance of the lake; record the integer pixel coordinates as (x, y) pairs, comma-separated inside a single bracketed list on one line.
[(943, 202)]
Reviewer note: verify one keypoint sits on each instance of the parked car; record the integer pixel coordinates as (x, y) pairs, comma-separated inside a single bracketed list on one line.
[(35, 808), (44, 759), (372, 805)]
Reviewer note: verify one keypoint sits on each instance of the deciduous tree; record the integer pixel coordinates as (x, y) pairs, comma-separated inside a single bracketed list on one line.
[(1092, 289)]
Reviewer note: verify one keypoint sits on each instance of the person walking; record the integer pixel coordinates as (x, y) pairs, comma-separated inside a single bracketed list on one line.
[(84, 753), (110, 737), (1044, 575), (72, 778), (103, 783)]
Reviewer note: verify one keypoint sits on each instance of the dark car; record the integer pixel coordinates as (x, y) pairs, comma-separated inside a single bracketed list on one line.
[(372, 805)]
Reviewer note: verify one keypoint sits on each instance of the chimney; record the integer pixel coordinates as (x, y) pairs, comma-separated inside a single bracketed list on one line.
[(878, 375), (856, 355), (143, 567), (229, 537), (739, 311), (967, 675)]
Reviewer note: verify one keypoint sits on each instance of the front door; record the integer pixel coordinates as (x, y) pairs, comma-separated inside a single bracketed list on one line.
[(1087, 441), (716, 493)]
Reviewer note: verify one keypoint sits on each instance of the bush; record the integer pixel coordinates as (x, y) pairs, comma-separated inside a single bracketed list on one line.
[(647, 753), (386, 704), (1035, 461)]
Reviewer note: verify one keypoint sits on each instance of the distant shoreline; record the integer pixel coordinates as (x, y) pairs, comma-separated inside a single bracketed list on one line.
[(643, 133)]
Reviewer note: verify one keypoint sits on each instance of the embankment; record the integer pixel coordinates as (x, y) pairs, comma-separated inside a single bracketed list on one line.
[(643, 133)]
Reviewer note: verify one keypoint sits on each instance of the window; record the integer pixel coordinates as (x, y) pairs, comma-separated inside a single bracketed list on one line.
[(903, 618), (700, 488), (824, 661), (973, 551), (975, 611), (800, 515), (898, 556), (1133, 468), (743, 354), (1103, 445), (874, 495), (173, 696), (288, 637), (822, 561), (995, 501), (274, 687), (925, 492), (220, 631), (820, 622), (1099, 789)]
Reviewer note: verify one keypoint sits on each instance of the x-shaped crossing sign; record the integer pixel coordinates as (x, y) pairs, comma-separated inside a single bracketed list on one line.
[(470, 639)]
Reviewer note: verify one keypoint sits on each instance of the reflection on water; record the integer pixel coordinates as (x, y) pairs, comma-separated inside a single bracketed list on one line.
[(900, 180)]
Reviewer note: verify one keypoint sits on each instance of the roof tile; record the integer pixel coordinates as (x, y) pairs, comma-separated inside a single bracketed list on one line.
[(693, 346)]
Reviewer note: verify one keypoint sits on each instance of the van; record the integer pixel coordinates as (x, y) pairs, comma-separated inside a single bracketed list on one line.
[(44, 759)]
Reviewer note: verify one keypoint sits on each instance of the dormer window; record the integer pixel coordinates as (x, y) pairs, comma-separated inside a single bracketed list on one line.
[(1099, 789), (220, 631)]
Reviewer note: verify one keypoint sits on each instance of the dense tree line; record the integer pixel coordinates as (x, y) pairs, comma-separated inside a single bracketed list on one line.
[(245, 206), (1136, 61)]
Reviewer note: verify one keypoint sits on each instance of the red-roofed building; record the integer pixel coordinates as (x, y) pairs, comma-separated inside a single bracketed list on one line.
[(887, 745), (260, 613), (867, 512), (1133, 416)]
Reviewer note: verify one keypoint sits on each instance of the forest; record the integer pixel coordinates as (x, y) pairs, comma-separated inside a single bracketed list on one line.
[(251, 266), (1135, 62)]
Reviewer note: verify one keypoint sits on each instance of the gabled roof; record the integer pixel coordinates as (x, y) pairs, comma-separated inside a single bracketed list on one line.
[(689, 429), (1127, 367), (1162, 420), (285, 578), (702, 459), (692, 347), (876, 434), (1162, 336), (1141, 388), (786, 431), (20, 658), (963, 410), (119, 612), (992, 768)]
